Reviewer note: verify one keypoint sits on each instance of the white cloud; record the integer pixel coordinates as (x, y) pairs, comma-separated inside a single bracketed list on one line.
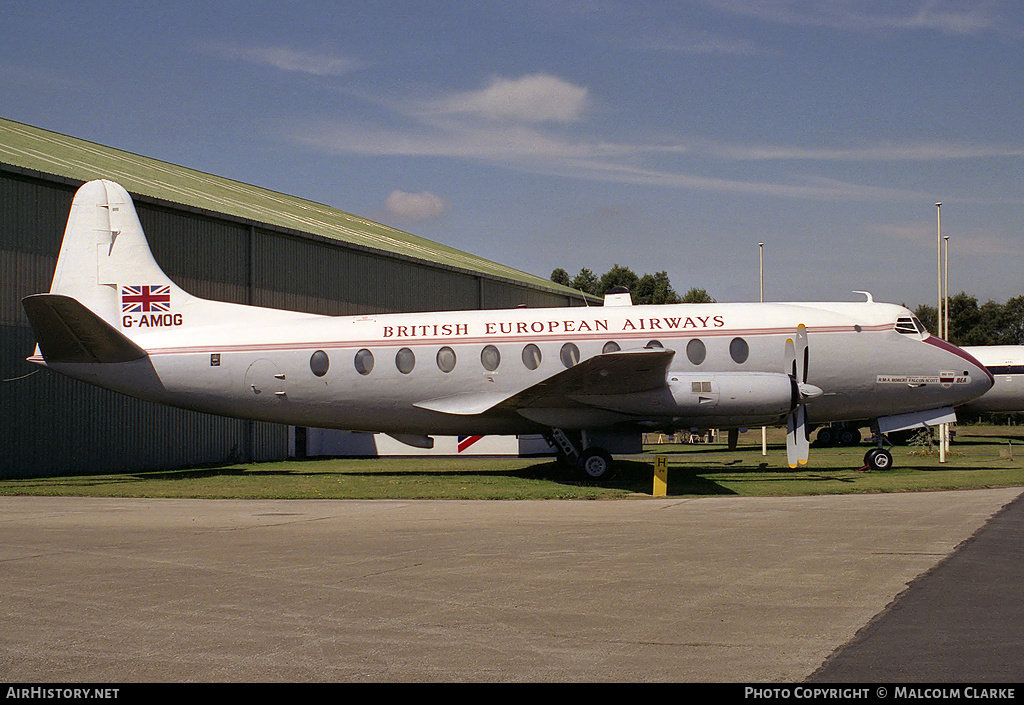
[(415, 207), (508, 123), (954, 17), (921, 152), (286, 59), (532, 98)]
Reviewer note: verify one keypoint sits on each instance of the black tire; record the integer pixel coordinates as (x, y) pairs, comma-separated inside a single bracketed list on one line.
[(596, 464), (849, 437), (826, 436), (878, 459)]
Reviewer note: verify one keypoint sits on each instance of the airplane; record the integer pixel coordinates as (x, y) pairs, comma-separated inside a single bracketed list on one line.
[(591, 379), (1006, 364)]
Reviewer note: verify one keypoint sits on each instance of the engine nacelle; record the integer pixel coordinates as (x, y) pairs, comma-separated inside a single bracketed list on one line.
[(754, 394), (710, 399)]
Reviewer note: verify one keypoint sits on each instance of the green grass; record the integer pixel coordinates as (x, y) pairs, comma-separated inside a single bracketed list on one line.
[(980, 458)]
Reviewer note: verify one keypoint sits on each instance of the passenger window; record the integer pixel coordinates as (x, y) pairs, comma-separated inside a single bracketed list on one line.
[(490, 358), (531, 356), (446, 359), (739, 350), (405, 360), (364, 362), (610, 347), (569, 354), (695, 351), (654, 345), (319, 363)]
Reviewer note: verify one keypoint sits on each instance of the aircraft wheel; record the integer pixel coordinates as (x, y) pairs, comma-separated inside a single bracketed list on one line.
[(596, 464), (826, 436), (878, 459), (849, 437)]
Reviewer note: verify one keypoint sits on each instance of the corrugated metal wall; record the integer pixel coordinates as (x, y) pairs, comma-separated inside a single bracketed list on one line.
[(52, 425)]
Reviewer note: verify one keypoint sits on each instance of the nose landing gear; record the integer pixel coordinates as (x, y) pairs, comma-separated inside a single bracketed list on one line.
[(878, 459)]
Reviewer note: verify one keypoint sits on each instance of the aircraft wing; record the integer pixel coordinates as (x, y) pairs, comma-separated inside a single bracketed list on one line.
[(622, 372)]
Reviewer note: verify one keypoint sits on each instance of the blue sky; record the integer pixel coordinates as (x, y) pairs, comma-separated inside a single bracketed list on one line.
[(656, 135)]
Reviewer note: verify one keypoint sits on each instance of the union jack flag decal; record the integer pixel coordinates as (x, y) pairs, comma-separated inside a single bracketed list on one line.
[(466, 441), (146, 298)]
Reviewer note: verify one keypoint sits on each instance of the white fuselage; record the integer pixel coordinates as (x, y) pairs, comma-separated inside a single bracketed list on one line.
[(369, 372)]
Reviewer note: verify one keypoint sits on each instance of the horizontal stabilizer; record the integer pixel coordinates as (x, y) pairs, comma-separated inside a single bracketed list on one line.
[(67, 331)]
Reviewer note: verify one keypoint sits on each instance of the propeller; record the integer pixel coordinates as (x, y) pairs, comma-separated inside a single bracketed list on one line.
[(797, 359)]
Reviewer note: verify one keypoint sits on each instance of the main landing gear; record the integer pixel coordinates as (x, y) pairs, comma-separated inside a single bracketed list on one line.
[(592, 463)]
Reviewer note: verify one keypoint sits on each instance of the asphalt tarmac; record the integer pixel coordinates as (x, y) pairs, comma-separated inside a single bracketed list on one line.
[(716, 589)]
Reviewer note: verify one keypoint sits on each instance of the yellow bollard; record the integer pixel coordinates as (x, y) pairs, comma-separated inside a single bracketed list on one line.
[(660, 475)]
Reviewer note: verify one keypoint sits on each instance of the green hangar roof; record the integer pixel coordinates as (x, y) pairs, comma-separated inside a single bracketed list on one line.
[(39, 150)]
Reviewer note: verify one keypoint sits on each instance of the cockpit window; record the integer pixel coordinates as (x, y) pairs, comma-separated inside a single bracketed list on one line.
[(905, 325), (910, 325)]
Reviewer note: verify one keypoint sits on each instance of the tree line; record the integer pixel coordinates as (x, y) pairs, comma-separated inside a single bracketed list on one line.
[(990, 323), (647, 289)]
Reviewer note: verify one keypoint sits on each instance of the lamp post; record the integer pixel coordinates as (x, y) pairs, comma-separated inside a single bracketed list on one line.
[(940, 316), (945, 305), (760, 257), (938, 265), (945, 285)]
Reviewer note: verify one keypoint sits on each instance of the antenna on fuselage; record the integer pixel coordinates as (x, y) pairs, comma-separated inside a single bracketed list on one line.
[(870, 300)]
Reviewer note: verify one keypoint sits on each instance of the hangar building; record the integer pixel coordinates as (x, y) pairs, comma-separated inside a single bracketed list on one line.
[(219, 239)]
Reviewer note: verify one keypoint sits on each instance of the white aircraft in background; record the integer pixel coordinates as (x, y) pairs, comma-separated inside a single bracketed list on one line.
[(591, 379), (1006, 365)]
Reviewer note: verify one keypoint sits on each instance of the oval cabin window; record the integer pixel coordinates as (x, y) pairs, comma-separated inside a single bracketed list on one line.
[(490, 358), (405, 360), (319, 363), (364, 362), (696, 351)]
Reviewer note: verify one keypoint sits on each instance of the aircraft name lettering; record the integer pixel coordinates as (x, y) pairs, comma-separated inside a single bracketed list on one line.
[(152, 320), (923, 379), (577, 325), (673, 323), (420, 331)]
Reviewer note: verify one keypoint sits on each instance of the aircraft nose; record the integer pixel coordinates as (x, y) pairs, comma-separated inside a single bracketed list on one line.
[(981, 380)]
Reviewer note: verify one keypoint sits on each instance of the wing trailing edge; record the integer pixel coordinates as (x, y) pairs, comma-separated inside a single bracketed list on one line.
[(622, 372)]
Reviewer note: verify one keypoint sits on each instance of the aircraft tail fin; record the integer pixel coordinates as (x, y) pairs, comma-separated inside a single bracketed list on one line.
[(105, 262)]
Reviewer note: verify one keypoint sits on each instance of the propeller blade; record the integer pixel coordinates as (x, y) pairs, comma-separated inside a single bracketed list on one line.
[(798, 446), (790, 361), (797, 360), (802, 353)]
